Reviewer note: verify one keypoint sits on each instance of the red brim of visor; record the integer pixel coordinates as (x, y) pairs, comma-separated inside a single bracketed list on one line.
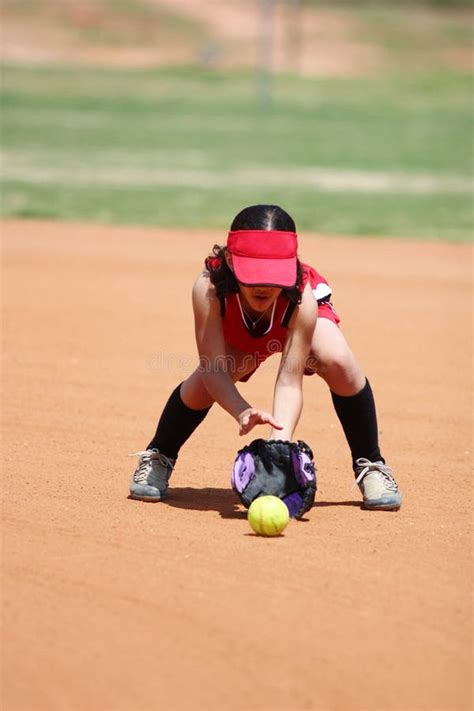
[(269, 272), (261, 257)]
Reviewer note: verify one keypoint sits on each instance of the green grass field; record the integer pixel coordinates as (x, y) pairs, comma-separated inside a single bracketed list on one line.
[(388, 156)]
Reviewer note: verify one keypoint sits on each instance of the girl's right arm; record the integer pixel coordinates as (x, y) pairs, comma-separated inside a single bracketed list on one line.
[(213, 362)]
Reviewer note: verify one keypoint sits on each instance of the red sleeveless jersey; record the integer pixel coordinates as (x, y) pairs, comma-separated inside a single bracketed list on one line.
[(237, 335)]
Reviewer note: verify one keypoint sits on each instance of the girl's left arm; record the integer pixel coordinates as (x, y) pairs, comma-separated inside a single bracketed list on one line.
[(288, 394)]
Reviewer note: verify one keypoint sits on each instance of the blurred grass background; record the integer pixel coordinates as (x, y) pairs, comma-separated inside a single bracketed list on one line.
[(95, 128)]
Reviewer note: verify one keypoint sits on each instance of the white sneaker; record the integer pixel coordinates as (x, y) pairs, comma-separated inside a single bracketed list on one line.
[(378, 486), (150, 479)]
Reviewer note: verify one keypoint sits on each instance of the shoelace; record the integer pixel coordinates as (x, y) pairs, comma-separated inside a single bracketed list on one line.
[(146, 456), (377, 468)]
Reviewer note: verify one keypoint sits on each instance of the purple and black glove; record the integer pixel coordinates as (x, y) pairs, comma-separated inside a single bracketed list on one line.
[(276, 468)]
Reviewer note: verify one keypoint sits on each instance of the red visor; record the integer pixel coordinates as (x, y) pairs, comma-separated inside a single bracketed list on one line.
[(264, 257)]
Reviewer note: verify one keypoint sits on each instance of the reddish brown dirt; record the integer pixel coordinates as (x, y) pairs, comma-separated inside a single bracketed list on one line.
[(116, 605)]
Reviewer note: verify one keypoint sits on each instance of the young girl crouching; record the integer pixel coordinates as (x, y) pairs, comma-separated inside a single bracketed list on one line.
[(256, 298)]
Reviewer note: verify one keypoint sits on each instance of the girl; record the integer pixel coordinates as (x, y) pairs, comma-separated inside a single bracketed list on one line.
[(256, 298)]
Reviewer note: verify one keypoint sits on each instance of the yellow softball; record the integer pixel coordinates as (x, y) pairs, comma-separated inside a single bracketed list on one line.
[(268, 516)]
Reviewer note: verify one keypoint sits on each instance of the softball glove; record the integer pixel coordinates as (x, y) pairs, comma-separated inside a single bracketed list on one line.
[(276, 468)]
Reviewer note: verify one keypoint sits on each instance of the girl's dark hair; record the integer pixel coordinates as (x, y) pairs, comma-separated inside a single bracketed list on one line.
[(255, 217), (263, 217)]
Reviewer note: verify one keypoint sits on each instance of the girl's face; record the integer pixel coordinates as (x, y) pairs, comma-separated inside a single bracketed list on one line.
[(259, 298)]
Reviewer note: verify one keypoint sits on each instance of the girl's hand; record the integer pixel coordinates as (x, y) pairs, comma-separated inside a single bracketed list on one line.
[(251, 417)]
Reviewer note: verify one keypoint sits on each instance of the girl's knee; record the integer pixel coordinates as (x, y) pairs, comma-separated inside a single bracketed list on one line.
[(336, 362), (340, 368), (194, 393)]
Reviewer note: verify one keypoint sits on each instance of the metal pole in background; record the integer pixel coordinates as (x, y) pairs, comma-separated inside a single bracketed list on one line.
[(266, 52), (294, 33)]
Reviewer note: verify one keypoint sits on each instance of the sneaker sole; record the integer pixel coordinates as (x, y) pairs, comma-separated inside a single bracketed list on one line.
[(381, 507), (151, 499)]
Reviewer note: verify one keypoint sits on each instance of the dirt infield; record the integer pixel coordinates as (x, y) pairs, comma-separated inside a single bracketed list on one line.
[(116, 605)]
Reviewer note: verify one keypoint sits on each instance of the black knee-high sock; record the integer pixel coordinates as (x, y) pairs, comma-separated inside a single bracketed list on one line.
[(176, 425), (358, 418)]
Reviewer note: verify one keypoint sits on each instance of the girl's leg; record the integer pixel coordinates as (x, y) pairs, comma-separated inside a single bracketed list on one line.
[(350, 390), (186, 408), (355, 407), (189, 404), (177, 423)]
